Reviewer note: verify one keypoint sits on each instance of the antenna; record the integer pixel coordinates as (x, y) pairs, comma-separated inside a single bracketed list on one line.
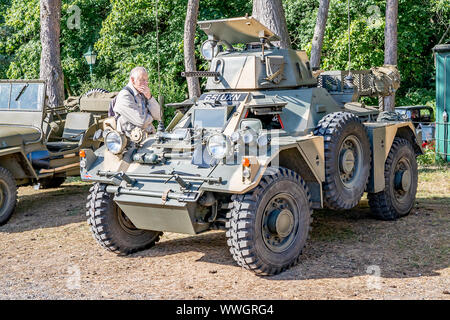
[(349, 77), (157, 48), (160, 97)]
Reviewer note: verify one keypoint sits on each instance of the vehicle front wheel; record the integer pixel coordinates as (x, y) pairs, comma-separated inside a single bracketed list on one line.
[(268, 227), (400, 176), (8, 195), (111, 227)]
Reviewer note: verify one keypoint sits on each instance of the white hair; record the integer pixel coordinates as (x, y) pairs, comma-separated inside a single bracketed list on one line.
[(137, 71)]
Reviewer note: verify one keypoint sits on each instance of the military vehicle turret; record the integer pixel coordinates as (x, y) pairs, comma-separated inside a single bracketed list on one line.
[(263, 146)]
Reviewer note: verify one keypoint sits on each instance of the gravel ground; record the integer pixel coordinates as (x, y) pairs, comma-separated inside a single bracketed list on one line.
[(47, 252)]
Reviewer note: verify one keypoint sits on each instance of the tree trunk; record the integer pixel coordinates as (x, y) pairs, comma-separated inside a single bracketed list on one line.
[(317, 41), (189, 48), (390, 45), (271, 14), (50, 68)]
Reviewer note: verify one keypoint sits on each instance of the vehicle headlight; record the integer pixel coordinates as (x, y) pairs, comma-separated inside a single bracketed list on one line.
[(235, 136), (115, 142), (248, 137), (219, 146), (209, 49), (263, 140)]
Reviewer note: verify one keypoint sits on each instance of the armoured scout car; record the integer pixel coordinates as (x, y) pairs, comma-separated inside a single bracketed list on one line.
[(40, 145), (254, 155)]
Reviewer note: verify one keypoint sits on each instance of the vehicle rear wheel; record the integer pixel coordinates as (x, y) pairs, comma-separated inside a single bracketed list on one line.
[(49, 183), (400, 176), (8, 195), (111, 227), (268, 227), (347, 159)]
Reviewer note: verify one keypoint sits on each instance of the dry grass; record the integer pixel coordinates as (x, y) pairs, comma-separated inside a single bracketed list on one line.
[(47, 242)]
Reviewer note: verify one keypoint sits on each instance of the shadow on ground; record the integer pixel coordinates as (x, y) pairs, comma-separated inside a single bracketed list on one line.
[(341, 245), (48, 208), (344, 245)]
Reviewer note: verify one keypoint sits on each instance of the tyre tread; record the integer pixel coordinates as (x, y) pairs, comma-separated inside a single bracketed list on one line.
[(380, 203), (97, 209), (240, 234), (330, 128), (10, 181)]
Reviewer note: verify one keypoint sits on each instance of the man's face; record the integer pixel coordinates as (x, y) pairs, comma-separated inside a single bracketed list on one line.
[(141, 81)]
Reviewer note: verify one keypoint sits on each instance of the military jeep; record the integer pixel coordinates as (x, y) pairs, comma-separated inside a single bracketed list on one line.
[(264, 145), (39, 145), (423, 120)]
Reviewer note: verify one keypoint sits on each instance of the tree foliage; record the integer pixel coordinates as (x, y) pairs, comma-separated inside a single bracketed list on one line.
[(420, 26), (124, 35)]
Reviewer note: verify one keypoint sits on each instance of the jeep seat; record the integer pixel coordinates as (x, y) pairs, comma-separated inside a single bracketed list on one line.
[(76, 124)]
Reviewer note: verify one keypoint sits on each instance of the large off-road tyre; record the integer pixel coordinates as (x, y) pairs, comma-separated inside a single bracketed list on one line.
[(8, 195), (268, 227), (111, 227), (347, 159), (400, 176), (49, 183)]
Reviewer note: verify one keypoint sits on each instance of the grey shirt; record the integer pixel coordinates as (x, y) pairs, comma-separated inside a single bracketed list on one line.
[(134, 114)]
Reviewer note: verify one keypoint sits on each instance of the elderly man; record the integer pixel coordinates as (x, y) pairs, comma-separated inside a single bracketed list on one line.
[(135, 106)]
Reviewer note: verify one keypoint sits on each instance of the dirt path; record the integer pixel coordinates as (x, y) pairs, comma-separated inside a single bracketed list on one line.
[(47, 252)]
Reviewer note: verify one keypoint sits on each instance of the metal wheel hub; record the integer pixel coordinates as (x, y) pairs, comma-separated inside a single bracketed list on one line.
[(347, 161), (402, 176), (350, 161), (403, 180), (281, 222)]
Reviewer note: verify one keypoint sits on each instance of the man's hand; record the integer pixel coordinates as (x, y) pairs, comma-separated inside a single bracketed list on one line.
[(145, 90)]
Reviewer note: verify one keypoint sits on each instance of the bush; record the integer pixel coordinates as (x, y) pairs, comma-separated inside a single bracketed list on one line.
[(421, 96), (429, 158)]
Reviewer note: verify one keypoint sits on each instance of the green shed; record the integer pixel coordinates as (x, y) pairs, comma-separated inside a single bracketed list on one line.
[(442, 54)]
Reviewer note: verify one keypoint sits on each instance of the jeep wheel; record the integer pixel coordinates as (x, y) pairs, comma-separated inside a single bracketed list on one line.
[(268, 227), (111, 227), (400, 176), (49, 183), (347, 159), (8, 195)]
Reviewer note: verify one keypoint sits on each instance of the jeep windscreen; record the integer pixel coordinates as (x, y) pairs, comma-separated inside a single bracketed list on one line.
[(26, 97), (5, 92), (21, 96), (22, 103)]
